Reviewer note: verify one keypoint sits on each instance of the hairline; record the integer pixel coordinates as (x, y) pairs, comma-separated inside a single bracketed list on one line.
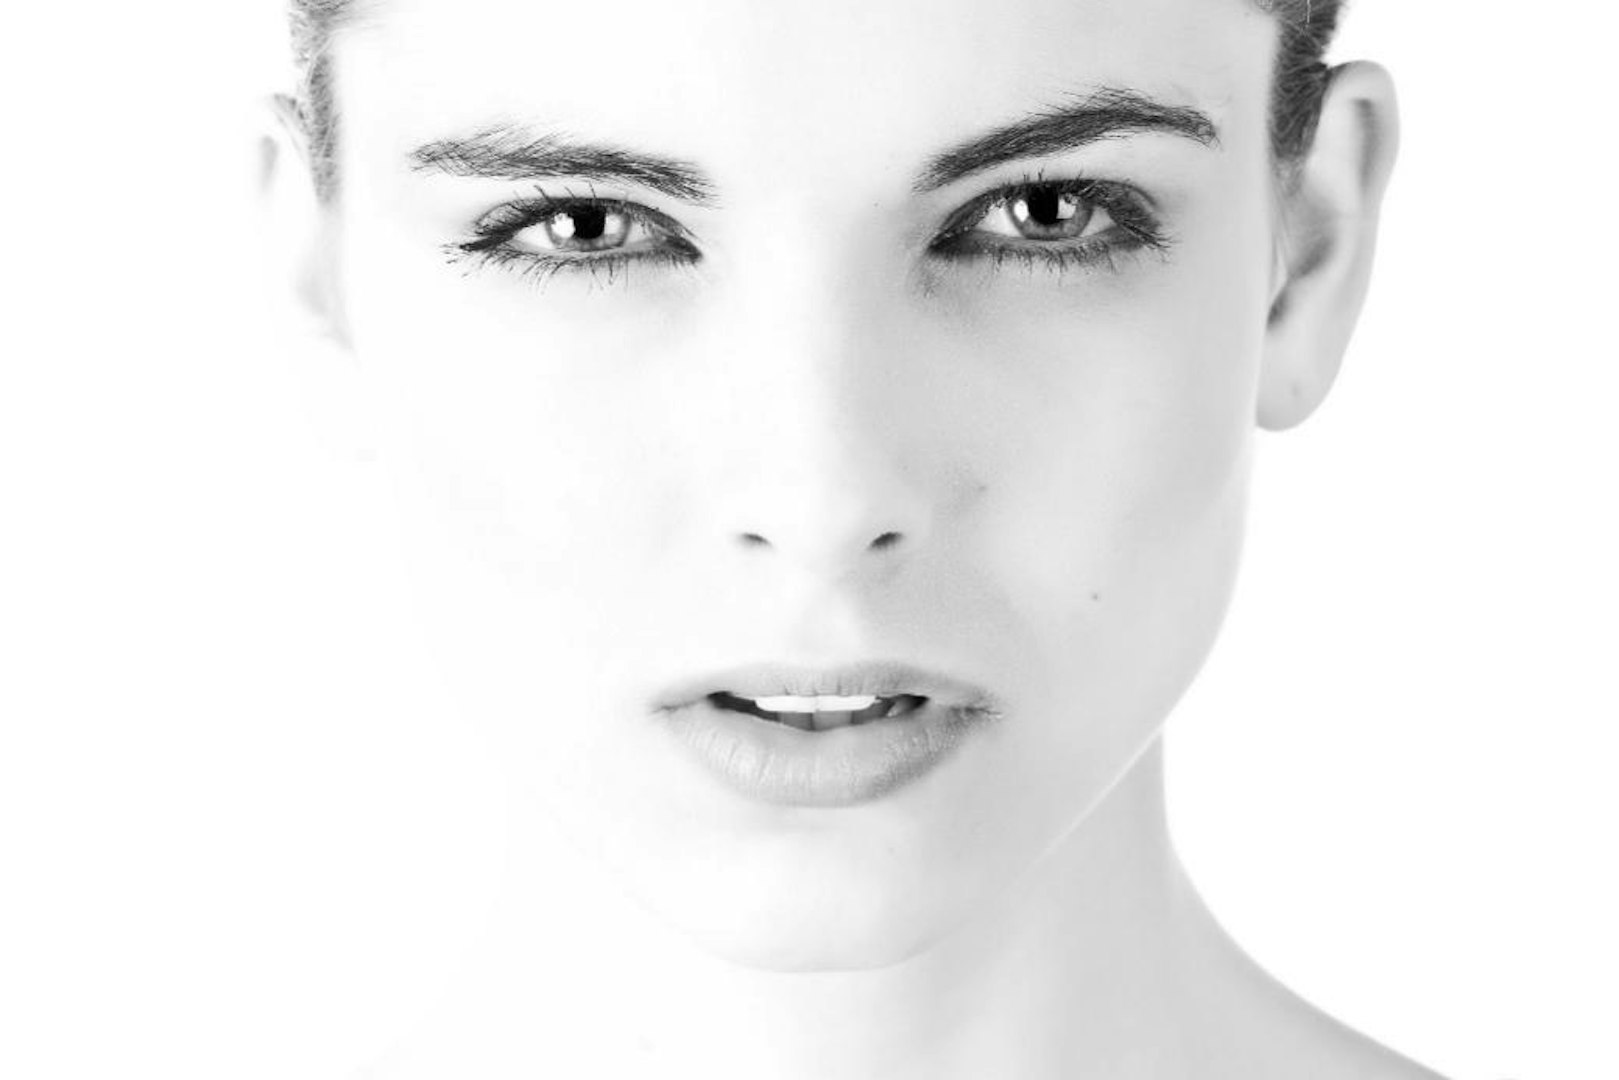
[(316, 24)]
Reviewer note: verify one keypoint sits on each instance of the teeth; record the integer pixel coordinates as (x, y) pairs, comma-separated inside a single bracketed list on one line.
[(823, 712), (825, 721), (801, 721), (819, 704)]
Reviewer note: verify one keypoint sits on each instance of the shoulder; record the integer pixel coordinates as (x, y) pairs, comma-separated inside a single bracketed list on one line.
[(1303, 1041)]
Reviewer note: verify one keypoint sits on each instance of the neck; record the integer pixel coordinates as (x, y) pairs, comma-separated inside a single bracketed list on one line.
[(1100, 961)]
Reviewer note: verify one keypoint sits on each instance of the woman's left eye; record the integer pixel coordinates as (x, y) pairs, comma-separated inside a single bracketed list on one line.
[(1057, 223), (1046, 214)]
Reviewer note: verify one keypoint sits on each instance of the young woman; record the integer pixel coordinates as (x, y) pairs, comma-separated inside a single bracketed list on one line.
[(823, 432)]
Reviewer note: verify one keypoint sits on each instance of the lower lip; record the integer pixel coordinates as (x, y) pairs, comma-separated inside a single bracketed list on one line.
[(845, 766)]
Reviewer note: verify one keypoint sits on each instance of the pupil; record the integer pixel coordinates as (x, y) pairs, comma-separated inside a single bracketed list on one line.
[(1045, 207), (589, 222)]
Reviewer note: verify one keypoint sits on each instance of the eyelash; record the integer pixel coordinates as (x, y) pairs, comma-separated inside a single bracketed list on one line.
[(493, 233), (1135, 228)]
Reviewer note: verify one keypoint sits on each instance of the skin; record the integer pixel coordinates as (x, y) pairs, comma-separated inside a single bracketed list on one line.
[(1064, 456)]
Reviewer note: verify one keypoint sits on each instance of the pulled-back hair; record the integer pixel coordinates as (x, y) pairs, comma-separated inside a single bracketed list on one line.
[(314, 24), (1298, 82)]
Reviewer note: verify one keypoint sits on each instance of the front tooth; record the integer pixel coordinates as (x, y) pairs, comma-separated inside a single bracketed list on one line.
[(823, 703), (786, 704), (825, 721), (803, 721), (845, 704)]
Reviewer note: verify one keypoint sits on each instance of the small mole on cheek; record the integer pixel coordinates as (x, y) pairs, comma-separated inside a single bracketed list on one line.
[(1096, 596)]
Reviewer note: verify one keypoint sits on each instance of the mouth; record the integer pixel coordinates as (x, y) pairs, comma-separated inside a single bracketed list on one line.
[(873, 690), (821, 713), (824, 737)]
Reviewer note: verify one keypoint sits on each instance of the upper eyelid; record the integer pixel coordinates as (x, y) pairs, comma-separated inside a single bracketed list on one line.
[(533, 209), (955, 222), (958, 220), (1005, 191)]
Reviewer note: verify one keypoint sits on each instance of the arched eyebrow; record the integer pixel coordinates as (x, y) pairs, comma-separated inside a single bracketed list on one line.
[(512, 152), (1106, 114)]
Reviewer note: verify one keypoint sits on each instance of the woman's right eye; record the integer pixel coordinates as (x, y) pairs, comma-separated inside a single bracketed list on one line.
[(544, 237), (579, 228), (587, 228)]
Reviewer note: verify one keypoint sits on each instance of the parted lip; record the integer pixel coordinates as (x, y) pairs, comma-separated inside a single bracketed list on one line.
[(876, 677)]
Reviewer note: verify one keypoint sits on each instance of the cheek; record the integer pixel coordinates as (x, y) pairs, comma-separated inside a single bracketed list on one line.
[(531, 420), (1116, 472), (1119, 414)]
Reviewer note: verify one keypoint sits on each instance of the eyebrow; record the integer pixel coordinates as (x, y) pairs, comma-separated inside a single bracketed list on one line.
[(510, 152), (1106, 114)]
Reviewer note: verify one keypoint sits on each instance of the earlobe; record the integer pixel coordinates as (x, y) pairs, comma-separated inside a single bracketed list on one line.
[(1326, 235), (297, 232)]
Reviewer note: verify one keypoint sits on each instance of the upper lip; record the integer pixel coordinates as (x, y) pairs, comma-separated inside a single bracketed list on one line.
[(876, 677)]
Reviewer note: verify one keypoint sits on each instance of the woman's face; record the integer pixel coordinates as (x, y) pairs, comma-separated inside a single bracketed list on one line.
[(711, 334)]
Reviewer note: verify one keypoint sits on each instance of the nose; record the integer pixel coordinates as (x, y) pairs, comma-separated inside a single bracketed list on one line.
[(821, 477), (824, 464), (827, 511)]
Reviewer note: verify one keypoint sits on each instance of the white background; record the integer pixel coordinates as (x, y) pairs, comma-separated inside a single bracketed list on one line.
[(235, 820)]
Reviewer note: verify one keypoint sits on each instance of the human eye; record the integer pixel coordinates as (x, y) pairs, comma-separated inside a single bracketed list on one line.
[(540, 237), (1055, 224)]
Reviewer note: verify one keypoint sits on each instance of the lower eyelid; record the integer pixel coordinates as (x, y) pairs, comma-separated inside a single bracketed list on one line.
[(969, 244), (536, 269), (1054, 254), (1134, 227)]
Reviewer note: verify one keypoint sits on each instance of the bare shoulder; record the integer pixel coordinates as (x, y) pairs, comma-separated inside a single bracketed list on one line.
[(1300, 1040), (1321, 1050)]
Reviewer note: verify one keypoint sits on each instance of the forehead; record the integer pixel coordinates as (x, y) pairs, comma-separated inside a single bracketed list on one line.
[(717, 81)]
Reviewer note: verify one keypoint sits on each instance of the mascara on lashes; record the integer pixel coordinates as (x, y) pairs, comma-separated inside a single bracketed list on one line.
[(1135, 227), (494, 231)]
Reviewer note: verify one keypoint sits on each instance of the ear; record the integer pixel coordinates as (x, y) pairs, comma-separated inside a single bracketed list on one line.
[(1326, 234), (299, 233)]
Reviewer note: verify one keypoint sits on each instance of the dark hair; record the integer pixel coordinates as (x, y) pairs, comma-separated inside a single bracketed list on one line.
[(1298, 83), (314, 24), (1300, 78)]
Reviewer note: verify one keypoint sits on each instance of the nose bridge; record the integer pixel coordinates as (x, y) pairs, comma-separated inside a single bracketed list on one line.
[(818, 472)]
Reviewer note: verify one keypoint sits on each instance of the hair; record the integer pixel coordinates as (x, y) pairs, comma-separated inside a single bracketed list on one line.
[(1299, 80), (314, 24)]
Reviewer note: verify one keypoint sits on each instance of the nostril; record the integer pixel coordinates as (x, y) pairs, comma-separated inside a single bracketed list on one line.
[(883, 542)]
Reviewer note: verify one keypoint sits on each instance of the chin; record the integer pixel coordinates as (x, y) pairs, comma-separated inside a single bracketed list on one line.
[(806, 914)]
